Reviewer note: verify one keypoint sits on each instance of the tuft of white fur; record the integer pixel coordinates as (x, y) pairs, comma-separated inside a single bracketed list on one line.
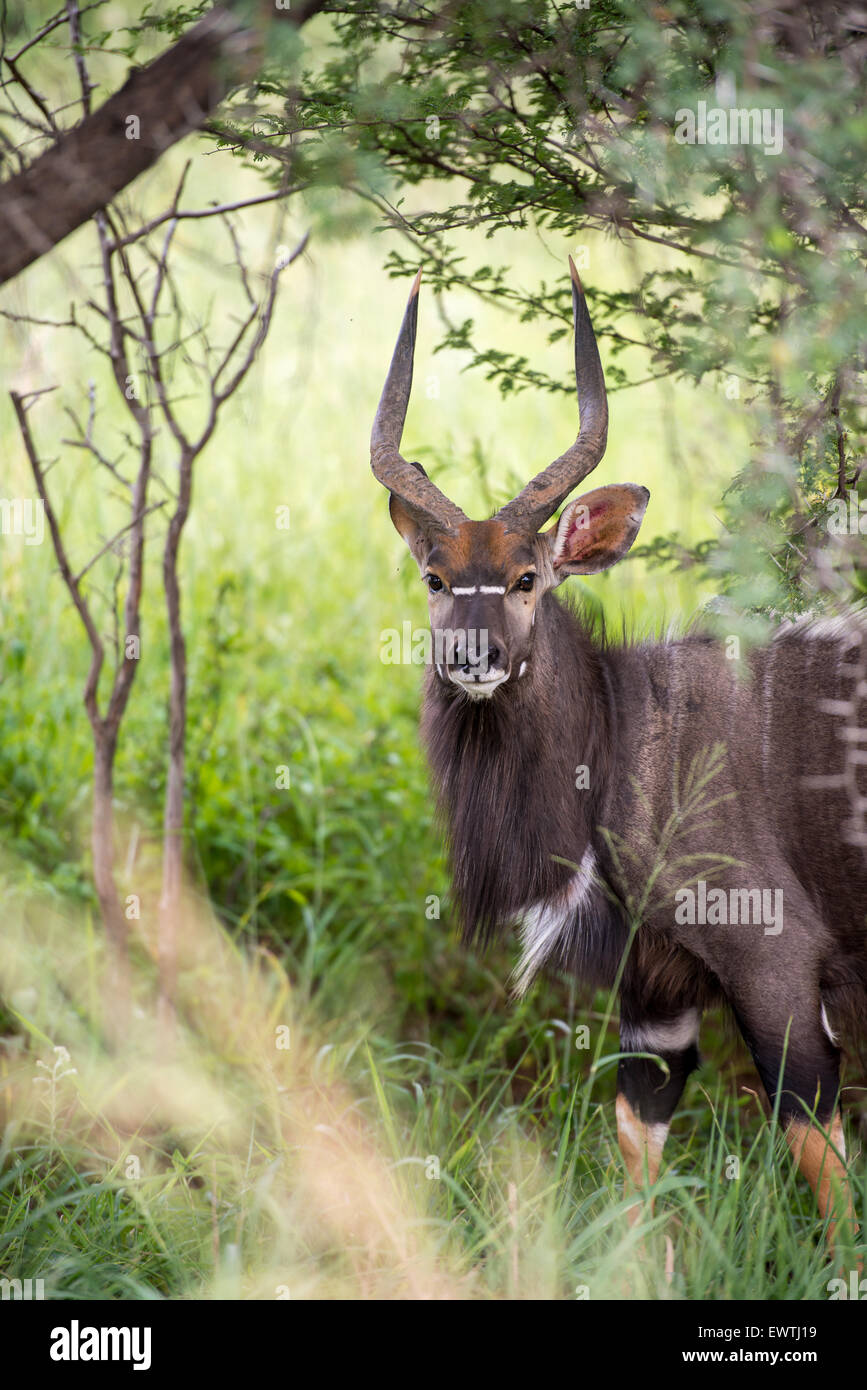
[(543, 923), (826, 1024)]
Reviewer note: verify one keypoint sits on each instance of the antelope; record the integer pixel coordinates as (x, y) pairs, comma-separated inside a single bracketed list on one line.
[(709, 850)]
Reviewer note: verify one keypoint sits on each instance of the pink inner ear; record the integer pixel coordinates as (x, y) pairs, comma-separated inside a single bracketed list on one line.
[(580, 530)]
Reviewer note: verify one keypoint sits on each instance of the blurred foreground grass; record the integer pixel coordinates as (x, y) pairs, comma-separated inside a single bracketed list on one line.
[(278, 1155)]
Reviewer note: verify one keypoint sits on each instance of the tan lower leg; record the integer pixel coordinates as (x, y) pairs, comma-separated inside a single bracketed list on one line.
[(641, 1146), (825, 1173)]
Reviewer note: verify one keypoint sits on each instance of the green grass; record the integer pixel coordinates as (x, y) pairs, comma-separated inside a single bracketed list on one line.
[(262, 1170)]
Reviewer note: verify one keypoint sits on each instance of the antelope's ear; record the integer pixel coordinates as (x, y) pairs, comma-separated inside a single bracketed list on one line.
[(406, 526), (596, 530)]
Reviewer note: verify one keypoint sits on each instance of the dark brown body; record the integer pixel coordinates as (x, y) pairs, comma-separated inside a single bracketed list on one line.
[(774, 814), (698, 766)]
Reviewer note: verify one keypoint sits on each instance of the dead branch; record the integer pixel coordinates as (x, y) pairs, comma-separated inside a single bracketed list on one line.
[(81, 606)]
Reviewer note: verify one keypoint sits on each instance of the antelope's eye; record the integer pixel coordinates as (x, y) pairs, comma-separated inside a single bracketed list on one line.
[(525, 583), (434, 583)]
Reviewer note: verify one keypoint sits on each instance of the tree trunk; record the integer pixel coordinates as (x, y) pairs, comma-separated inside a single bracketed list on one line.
[(117, 986), (173, 817)]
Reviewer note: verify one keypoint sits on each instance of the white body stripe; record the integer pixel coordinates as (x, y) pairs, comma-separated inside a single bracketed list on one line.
[(661, 1037), (544, 922), (848, 628)]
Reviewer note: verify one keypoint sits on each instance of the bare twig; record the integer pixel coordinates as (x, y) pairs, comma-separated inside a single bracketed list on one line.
[(196, 214), (74, 15), (53, 24), (50, 127), (98, 653), (110, 544)]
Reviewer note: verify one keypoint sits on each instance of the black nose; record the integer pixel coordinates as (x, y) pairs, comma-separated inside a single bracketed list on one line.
[(483, 660)]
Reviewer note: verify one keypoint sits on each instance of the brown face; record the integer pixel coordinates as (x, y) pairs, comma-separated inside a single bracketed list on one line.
[(485, 582), (483, 585)]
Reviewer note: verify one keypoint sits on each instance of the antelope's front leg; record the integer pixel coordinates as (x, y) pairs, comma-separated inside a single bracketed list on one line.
[(814, 1152), (646, 1095)]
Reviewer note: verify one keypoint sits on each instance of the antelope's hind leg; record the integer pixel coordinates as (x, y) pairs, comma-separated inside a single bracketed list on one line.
[(810, 1068), (647, 1095)]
